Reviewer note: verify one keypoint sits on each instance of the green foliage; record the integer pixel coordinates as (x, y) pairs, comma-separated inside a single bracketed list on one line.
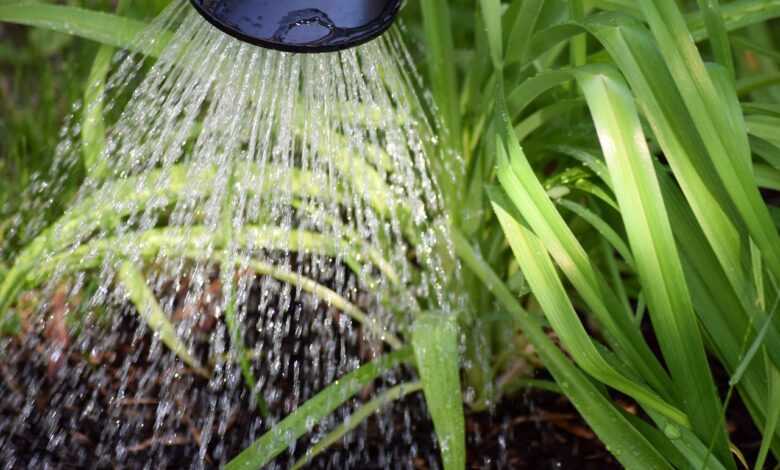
[(719, 194), (620, 156)]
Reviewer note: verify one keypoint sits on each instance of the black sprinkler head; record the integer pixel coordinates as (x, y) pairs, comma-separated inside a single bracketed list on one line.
[(301, 25)]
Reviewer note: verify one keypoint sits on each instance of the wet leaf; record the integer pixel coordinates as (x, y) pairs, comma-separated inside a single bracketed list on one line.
[(435, 342)]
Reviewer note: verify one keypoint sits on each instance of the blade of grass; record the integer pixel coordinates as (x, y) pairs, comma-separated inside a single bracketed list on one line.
[(752, 83), (765, 127), (695, 452), (773, 411), (330, 296), (639, 61), (441, 65), (767, 177), (645, 59), (578, 44), (354, 420), (102, 27), (761, 108), (435, 340), (589, 157), (96, 213), (722, 313), (491, 15), (768, 151), (736, 15), (199, 243), (755, 346), (626, 6), (519, 40), (295, 425), (521, 96), (546, 115), (198, 238), (718, 36), (92, 124), (145, 302), (652, 242), (609, 234)]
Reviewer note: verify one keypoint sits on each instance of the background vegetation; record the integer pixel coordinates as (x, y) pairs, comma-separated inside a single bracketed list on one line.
[(617, 219)]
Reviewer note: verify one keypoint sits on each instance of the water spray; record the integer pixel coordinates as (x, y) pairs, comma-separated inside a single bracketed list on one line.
[(254, 226), (307, 26)]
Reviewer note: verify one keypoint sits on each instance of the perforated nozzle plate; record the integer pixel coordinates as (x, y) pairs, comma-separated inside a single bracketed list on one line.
[(301, 25)]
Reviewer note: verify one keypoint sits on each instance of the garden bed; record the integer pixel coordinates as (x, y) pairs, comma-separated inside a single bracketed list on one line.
[(536, 429)]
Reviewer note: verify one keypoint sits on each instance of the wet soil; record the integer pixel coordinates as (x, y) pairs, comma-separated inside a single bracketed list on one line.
[(536, 430), (72, 420)]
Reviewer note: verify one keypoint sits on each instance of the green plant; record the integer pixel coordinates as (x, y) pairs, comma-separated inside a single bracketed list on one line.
[(689, 261), (618, 159)]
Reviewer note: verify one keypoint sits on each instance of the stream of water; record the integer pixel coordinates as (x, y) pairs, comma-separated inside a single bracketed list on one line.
[(256, 225)]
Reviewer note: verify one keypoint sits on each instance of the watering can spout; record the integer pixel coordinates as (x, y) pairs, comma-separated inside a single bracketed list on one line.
[(301, 25)]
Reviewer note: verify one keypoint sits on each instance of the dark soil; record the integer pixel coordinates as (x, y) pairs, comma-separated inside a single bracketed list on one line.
[(71, 422), (538, 430)]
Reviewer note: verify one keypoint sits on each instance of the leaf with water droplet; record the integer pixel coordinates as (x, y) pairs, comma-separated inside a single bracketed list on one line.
[(672, 431), (146, 304), (435, 342)]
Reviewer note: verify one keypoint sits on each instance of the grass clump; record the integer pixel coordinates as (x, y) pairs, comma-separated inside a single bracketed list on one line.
[(621, 190)]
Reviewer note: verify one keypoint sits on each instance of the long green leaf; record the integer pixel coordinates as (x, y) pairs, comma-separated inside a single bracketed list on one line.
[(435, 339), (754, 347), (102, 27), (96, 213), (525, 23), (720, 310), (773, 411), (145, 302), (281, 436), (640, 62), (716, 30), (603, 228), (198, 243), (736, 15), (93, 126), (491, 14), (441, 64), (638, 59), (354, 420), (657, 259)]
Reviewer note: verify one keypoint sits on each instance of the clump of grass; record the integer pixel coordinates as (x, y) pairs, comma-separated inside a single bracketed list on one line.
[(616, 155), (623, 167)]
